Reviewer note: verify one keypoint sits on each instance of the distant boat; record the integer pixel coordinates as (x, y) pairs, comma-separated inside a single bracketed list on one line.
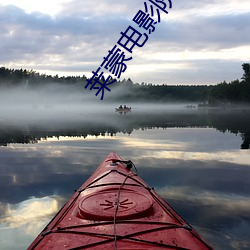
[(125, 110)]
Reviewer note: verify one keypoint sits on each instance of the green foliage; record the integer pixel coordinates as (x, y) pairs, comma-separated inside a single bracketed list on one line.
[(31, 78), (246, 75), (234, 92), (220, 94)]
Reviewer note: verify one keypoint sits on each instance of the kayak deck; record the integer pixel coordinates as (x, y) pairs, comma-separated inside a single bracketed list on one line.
[(116, 209)]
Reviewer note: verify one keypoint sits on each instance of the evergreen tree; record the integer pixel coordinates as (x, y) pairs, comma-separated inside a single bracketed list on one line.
[(246, 75)]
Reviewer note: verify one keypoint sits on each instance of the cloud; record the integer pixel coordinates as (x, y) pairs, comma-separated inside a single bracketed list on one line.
[(95, 8), (75, 40), (211, 33), (44, 40)]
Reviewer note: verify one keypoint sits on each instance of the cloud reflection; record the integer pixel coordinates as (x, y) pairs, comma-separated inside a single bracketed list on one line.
[(228, 203), (198, 171), (29, 212), (223, 156), (22, 222)]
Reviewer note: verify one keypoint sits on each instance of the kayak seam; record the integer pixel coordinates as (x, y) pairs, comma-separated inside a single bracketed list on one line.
[(119, 222), (90, 185), (111, 184), (126, 237)]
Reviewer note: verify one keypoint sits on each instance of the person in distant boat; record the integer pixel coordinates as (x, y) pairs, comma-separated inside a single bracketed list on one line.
[(125, 106), (120, 107)]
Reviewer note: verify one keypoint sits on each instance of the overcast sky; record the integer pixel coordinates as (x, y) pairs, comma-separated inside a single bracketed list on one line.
[(198, 42)]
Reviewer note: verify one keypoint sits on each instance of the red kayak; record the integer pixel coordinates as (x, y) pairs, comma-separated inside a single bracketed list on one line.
[(116, 209)]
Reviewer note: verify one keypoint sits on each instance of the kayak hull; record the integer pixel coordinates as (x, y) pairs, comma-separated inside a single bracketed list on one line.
[(116, 209)]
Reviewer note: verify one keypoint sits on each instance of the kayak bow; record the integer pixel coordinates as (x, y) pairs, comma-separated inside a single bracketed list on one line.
[(116, 209)]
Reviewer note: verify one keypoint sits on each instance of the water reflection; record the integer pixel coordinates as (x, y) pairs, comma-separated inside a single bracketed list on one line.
[(195, 166), (111, 123), (33, 209), (20, 222)]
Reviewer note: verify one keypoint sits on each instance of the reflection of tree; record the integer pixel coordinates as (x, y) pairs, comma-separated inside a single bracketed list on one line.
[(246, 141), (237, 122), (16, 137)]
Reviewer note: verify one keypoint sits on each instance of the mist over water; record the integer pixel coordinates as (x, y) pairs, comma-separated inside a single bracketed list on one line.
[(56, 108), (48, 102), (53, 137), (65, 103)]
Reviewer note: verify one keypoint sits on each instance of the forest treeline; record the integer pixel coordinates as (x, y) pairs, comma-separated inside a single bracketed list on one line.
[(236, 91)]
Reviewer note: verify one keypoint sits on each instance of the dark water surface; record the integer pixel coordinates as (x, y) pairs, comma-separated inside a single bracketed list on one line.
[(193, 158)]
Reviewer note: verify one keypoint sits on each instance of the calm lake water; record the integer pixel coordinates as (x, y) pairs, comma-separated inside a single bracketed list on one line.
[(197, 160)]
